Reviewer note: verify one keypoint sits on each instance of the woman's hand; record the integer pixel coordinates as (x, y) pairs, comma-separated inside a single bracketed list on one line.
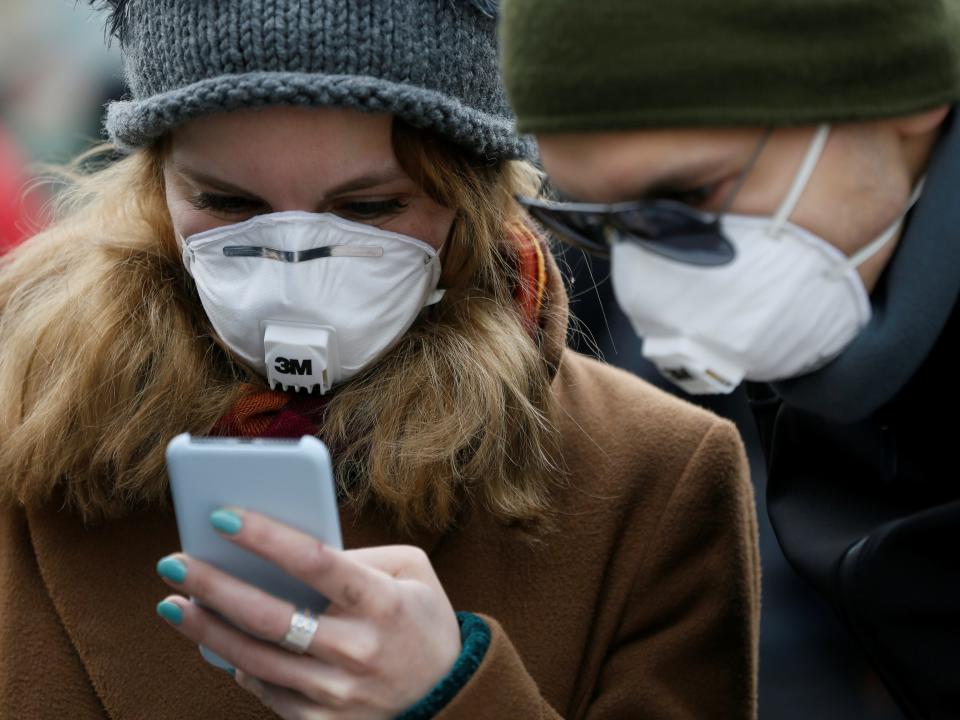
[(389, 635)]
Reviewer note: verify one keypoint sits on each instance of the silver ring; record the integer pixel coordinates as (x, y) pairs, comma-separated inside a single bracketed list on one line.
[(303, 626)]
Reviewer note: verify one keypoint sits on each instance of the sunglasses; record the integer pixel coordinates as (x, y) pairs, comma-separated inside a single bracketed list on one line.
[(667, 228)]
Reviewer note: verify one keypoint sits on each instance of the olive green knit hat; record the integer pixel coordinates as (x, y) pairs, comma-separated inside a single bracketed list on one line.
[(572, 66)]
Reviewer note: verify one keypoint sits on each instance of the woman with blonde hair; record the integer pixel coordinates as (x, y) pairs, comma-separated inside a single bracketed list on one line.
[(348, 169)]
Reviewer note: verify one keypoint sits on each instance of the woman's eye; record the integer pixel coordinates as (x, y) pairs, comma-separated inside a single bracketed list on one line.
[(371, 210), (229, 204)]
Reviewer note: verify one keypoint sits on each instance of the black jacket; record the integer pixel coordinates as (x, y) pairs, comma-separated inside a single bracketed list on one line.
[(864, 461)]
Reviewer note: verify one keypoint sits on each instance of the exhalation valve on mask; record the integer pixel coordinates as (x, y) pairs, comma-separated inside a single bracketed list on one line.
[(691, 366), (301, 357)]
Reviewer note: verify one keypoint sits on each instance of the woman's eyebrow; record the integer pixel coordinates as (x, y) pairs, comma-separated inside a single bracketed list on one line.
[(369, 180), (210, 181), (363, 182)]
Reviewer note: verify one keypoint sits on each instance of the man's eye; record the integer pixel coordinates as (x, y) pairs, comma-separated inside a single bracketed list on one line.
[(371, 210), (693, 197), (225, 203)]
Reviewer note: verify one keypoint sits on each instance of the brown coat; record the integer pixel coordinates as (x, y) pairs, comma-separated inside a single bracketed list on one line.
[(642, 603)]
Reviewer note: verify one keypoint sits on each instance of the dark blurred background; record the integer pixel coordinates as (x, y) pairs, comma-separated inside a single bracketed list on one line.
[(56, 74)]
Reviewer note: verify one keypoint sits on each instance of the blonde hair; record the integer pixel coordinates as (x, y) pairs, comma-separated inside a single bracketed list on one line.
[(107, 354)]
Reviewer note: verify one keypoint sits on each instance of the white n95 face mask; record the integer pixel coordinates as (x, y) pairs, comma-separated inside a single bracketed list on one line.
[(787, 304), (309, 300)]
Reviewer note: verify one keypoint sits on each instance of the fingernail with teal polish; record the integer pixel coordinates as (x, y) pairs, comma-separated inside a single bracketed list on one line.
[(232, 672), (169, 568), (226, 521), (170, 612)]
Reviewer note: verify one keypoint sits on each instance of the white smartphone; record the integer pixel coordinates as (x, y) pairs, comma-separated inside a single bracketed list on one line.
[(290, 481)]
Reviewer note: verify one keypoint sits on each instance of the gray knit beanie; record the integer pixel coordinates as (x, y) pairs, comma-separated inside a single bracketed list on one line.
[(432, 63)]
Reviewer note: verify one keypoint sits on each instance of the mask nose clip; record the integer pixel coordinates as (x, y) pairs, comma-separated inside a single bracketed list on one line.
[(301, 357)]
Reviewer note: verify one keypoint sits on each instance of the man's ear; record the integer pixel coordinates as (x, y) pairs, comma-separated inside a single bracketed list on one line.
[(921, 123)]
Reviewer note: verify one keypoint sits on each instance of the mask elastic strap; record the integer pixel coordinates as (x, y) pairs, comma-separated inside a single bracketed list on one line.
[(185, 254), (865, 253), (800, 182), (437, 295)]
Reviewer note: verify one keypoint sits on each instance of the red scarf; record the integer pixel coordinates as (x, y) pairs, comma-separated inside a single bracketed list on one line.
[(273, 414)]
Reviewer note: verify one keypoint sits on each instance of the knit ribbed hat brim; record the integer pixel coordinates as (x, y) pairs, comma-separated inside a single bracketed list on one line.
[(432, 63), (132, 124)]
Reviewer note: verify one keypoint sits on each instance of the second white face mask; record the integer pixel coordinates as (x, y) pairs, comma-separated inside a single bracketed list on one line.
[(310, 300), (786, 305)]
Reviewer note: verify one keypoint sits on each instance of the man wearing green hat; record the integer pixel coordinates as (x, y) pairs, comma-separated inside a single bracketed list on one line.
[(778, 187)]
